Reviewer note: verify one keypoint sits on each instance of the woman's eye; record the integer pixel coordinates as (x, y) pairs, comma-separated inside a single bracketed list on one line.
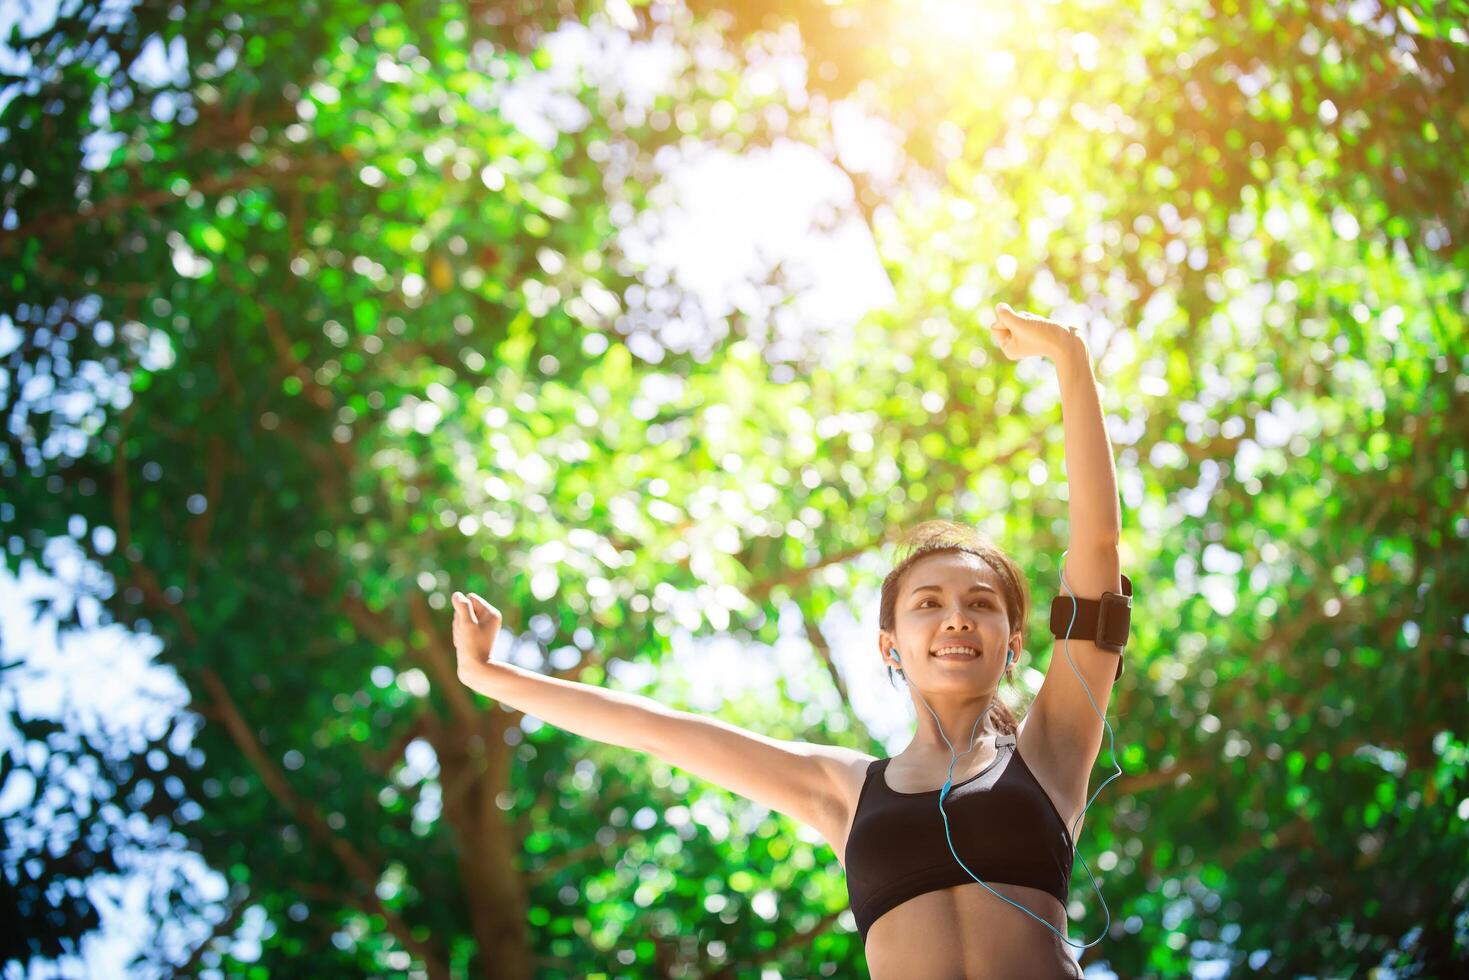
[(976, 602)]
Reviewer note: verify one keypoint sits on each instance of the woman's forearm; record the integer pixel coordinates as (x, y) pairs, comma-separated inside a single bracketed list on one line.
[(615, 717), (1096, 515)]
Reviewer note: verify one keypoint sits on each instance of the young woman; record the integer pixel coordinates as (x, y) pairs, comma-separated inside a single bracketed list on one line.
[(976, 794)]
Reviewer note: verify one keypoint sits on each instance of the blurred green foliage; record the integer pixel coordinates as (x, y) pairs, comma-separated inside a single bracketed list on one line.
[(378, 344)]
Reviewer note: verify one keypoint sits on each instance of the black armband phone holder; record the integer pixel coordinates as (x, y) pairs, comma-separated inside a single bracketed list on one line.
[(1105, 621)]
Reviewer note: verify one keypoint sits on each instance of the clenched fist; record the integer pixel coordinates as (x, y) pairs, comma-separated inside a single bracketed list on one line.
[(476, 624), (1027, 335)]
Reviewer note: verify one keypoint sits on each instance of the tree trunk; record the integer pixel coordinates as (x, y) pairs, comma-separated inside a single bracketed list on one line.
[(493, 887)]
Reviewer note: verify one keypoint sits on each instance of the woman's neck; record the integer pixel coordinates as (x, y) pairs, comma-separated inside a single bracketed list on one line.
[(925, 751)]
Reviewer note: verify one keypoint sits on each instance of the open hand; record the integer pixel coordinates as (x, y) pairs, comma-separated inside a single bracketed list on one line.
[(1026, 335), (476, 624)]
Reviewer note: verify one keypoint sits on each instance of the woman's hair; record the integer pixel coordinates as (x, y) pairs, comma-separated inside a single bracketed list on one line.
[(938, 537)]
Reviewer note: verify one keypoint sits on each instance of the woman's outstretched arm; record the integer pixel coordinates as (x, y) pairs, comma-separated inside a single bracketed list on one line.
[(800, 779)]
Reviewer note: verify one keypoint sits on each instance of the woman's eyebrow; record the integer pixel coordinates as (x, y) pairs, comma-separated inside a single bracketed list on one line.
[(935, 588)]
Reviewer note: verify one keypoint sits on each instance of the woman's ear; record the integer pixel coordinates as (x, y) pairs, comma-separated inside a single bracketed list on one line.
[(885, 642), (1012, 655)]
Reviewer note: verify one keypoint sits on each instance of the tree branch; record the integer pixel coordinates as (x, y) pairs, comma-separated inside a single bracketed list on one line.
[(202, 523), (818, 642), (140, 575), (435, 660), (420, 727), (221, 708), (63, 275), (54, 227), (306, 815), (565, 859), (325, 893), (224, 927), (281, 342)]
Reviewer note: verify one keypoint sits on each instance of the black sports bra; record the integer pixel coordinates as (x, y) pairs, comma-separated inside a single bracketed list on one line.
[(1004, 827)]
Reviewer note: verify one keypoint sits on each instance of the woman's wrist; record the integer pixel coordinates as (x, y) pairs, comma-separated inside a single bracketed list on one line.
[(484, 676), (1071, 349)]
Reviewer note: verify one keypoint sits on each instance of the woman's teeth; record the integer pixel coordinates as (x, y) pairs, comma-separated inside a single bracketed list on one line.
[(956, 651)]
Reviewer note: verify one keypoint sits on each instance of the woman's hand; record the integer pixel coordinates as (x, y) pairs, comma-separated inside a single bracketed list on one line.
[(1027, 335), (476, 624)]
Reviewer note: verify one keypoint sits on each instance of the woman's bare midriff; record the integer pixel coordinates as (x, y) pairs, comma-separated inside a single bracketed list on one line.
[(964, 932)]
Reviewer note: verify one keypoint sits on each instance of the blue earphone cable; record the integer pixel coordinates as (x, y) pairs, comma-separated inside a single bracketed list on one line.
[(1111, 748)]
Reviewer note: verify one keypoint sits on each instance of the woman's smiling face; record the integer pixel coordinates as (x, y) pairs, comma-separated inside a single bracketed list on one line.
[(951, 598)]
